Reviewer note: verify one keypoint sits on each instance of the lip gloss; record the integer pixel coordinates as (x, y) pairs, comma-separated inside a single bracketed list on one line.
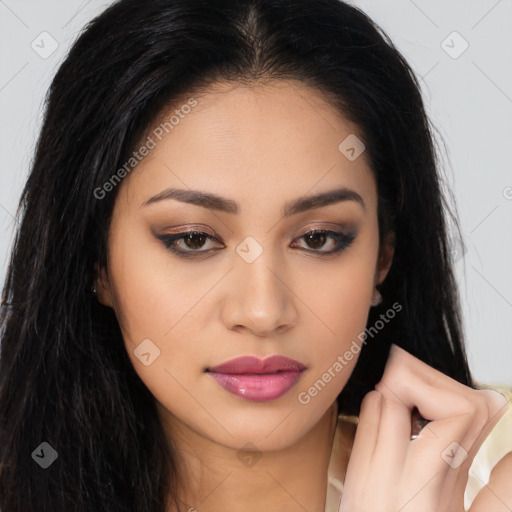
[(258, 387)]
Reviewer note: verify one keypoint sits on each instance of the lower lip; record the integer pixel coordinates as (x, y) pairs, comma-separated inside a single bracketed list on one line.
[(258, 387)]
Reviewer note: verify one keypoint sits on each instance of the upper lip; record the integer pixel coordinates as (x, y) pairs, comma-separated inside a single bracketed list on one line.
[(252, 364)]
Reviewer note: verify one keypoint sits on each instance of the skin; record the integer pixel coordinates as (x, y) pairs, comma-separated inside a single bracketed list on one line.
[(496, 496), (426, 474), (261, 146)]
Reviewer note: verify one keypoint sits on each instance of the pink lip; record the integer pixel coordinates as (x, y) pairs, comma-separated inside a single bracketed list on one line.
[(258, 380)]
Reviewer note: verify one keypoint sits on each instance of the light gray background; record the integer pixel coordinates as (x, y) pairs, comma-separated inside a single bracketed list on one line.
[(468, 96)]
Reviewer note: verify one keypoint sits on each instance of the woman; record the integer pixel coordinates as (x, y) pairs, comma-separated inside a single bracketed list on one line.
[(232, 242)]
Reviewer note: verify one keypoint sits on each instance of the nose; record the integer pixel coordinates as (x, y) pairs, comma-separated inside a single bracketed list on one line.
[(260, 299)]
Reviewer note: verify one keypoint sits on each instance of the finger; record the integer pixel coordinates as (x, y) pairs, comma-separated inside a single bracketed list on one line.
[(462, 418), (413, 388), (400, 360), (417, 384), (412, 382), (497, 407), (364, 441), (496, 401), (394, 434), (432, 466), (398, 356)]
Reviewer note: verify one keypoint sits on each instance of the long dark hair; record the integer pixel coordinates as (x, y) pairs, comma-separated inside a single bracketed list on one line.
[(65, 377)]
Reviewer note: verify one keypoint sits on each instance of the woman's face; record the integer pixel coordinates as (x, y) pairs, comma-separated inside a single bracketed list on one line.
[(260, 286)]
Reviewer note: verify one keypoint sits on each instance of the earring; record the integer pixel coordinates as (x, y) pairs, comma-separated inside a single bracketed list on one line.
[(377, 298), (94, 290)]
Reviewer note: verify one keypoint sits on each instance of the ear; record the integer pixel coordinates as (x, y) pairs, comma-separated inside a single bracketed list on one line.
[(103, 293), (385, 259)]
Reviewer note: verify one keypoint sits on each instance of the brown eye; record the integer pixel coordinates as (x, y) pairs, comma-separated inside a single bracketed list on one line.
[(192, 243), (318, 238), (194, 240)]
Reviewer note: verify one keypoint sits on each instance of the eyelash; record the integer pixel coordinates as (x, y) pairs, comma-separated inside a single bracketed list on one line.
[(343, 241)]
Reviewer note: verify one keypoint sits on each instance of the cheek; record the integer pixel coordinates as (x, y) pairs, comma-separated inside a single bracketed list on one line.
[(149, 307), (334, 356), (341, 296), (148, 293), (341, 301), (155, 306)]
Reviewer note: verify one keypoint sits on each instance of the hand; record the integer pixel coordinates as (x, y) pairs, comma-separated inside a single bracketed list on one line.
[(389, 472)]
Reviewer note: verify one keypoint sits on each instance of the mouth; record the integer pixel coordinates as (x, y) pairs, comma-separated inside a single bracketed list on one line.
[(258, 380)]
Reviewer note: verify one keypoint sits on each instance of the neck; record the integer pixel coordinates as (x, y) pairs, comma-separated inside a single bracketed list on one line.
[(294, 479)]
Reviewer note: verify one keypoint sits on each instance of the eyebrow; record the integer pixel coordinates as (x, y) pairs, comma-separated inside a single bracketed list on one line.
[(215, 202)]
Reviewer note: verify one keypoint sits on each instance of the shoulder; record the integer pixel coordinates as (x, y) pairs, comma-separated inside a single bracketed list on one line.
[(496, 496), (491, 473)]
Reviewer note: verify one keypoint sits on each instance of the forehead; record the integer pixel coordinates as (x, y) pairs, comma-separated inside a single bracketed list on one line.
[(279, 137)]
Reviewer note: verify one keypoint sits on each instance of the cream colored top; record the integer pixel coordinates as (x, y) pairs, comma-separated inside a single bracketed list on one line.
[(497, 444)]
